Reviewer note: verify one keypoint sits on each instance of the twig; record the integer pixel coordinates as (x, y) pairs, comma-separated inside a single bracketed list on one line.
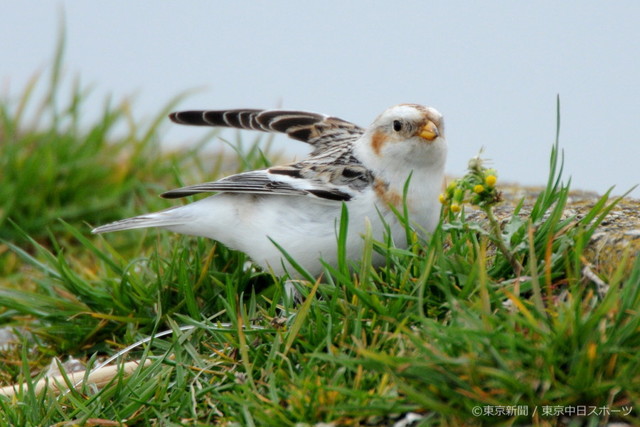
[(601, 286), (57, 383)]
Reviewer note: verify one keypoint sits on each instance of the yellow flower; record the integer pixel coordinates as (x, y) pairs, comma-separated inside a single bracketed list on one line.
[(455, 208), (490, 180), (443, 198), (478, 188)]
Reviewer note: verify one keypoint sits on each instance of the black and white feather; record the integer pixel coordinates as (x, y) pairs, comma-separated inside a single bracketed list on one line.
[(316, 129), (317, 176)]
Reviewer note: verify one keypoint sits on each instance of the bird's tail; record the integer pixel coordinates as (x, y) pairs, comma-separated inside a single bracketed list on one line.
[(161, 219)]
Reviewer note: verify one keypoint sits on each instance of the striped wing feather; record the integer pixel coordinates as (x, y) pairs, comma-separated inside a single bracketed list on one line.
[(262, 182), (312, 128), (320, 175)]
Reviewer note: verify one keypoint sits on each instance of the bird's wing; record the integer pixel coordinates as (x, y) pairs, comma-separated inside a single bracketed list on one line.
[(330, 182), (316, 129)]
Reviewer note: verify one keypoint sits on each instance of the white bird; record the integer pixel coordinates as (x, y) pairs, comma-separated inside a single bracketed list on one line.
[(298, 205)]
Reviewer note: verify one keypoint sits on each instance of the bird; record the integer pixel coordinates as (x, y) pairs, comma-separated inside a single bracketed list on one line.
[(375, 172)]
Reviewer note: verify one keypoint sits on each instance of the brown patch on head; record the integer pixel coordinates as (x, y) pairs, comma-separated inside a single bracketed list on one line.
[(377, 141), (416, 106), (428, 115), (389, 197)]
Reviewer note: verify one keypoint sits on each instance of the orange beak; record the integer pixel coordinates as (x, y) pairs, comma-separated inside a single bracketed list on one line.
[(429, 131)]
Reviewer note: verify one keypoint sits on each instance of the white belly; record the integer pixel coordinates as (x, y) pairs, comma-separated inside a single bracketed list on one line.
[(304, 227)]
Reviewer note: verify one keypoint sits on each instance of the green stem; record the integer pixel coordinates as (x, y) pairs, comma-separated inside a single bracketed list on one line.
[(497, 233)]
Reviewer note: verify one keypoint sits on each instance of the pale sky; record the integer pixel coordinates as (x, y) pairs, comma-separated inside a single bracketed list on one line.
[(493, 68)]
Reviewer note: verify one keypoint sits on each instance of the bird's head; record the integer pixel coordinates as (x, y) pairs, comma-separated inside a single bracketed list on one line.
[(407, 133)]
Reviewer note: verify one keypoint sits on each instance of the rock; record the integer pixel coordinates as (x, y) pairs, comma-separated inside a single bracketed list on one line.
[(616, 239)]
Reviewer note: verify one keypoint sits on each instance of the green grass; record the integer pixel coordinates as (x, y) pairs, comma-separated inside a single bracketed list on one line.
[(441, 329)]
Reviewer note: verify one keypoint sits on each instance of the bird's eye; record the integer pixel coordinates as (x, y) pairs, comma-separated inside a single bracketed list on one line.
[(397, 125)]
